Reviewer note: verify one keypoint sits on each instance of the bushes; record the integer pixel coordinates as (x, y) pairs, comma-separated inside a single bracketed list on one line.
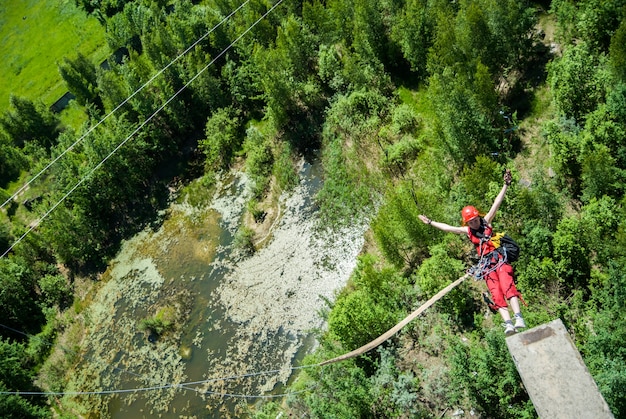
[(371, 308), (222, 140), (579, 80), (604, 351), (436, 273), (484, 375)]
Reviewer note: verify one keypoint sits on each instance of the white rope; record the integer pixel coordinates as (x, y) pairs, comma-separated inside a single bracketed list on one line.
[(36, 223), (388, 334), (90, 130), (357, 352), (178, 386)]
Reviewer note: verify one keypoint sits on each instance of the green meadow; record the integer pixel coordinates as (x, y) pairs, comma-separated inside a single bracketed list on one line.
[(35, 36)]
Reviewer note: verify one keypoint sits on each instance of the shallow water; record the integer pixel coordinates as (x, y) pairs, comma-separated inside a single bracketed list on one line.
[(241, 316)]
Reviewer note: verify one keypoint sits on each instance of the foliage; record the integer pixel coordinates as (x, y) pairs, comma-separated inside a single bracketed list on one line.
[(578, 80), (413, 31), (55, 291), (603, 351), (322, 75), (259, 160), (400, 235), (341, 391), (617, 52), (223, 139), (81, 80), (564, 141), (12, 162), (29, 122), (463, 122), (483, 372), (476, 182), (370, 309), (437, 272), (394, 390), (244, 240), (17, 295), (592, 20), (571, 252), (15, 375), (161, 323)]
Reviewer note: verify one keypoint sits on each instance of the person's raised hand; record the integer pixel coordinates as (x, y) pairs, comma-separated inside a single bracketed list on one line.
[(507, 177)]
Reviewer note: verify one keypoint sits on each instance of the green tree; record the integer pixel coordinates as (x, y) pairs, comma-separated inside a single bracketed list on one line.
[(81, 80), (223, 139), (494, 33), (605, 126), (291, 90), (259, 160), (598, 21), (399, 233), (413, 32), (437, 272), (12, 161), (604, 350), (571, 254), (16, 375), (27, 122), (602, 218), (463, 118), (371, 308), (564, 140), (55, 290), (483, 371), (617, 52), (341, 391), (17, 295), (599, 175), (578, 80)]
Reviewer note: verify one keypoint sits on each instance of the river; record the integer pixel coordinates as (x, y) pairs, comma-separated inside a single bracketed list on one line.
[(241, 315)]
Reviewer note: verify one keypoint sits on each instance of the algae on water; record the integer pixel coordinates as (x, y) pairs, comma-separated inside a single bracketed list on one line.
[(241, 322)]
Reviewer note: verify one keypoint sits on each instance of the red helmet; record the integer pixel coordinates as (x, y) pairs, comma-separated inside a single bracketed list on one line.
[(468, 213)]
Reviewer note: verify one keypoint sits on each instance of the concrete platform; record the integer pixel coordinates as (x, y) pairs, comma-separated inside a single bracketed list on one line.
[(554, 374)]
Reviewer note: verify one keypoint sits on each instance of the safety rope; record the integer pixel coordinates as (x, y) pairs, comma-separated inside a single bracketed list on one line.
[(382, 338), (485, 264), (36, 223), (92, 128), (363, 349)]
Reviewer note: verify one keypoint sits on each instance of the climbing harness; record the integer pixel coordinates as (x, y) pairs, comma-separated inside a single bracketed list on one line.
[(486, 263)]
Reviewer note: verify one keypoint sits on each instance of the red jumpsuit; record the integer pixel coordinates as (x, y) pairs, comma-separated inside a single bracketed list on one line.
[(500, 281)]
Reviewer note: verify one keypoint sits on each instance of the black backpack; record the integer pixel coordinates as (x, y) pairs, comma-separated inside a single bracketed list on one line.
[(508, 247)]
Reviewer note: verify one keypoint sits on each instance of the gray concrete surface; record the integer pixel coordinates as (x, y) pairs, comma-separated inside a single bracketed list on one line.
[(554, 374)]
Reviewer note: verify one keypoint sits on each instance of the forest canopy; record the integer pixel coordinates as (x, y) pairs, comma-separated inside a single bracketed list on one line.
[(416, 106)]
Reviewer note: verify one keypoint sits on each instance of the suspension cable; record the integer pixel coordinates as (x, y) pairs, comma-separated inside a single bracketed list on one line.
[(90, 130), (36, 223)]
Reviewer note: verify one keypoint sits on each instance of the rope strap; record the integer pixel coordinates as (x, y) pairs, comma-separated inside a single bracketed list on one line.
[(376, 342)]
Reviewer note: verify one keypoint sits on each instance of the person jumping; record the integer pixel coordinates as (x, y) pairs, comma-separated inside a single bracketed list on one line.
[(498, 272)]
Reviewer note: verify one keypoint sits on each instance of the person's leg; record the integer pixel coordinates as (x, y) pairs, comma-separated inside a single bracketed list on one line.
[(504, 312), (507, 282), (515, 305), (493, 283)]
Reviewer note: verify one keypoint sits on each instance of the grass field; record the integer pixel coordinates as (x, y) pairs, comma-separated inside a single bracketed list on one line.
[(35, 35)]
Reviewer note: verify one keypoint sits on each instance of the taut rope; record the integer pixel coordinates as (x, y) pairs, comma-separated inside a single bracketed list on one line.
[(369, 346)]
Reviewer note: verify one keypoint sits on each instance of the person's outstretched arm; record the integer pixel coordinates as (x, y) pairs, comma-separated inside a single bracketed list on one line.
[(443, 226), (496, 203)]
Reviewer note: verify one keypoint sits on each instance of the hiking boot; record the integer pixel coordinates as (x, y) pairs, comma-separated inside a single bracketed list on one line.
[(519, 322), (509, 329)]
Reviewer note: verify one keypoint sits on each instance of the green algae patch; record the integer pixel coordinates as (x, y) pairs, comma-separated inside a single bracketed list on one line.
[(128, 331)]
